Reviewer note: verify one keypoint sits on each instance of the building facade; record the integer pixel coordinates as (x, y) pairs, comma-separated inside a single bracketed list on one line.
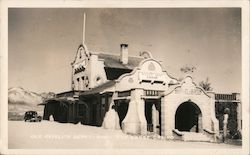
[(135, 94)]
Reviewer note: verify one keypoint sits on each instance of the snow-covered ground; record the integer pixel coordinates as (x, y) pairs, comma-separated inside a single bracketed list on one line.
[(53, 135)]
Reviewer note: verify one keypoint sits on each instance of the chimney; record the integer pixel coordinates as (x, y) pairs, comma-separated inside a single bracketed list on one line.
[(124, 54)]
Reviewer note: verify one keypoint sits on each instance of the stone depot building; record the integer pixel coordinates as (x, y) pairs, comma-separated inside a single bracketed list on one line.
[(136, 95)]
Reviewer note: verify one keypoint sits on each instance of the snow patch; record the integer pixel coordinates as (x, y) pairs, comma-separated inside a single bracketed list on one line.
[(54, 135), (111, 120)]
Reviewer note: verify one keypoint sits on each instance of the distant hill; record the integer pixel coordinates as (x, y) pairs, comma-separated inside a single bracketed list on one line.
[(21, 100)]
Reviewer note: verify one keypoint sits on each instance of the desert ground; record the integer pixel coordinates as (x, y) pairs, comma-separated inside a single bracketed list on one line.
[(53, 135)]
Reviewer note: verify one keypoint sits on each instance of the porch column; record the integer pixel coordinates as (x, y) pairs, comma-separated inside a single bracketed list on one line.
[(111, 118), (135, 121), (155, 119), (239, 112), (215, 121), (167, 118)]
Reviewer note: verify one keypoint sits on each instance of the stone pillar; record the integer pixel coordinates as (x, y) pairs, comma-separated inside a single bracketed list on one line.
[(135, 121), (167, 119), (163, 132), (111, 118), (214, 120)]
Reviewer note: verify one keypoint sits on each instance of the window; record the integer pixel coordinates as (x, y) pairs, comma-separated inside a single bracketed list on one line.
[(80, 53), (86, 81), (158, 82), (146, 81), (78, 83), (152, 93)]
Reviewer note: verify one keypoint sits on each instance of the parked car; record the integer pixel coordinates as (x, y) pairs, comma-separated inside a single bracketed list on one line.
[(32, 116)]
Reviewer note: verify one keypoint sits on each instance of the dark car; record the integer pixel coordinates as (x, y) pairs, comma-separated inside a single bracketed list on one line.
[(32, 116)]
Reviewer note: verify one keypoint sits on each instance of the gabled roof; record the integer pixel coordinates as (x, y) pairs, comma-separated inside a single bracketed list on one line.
[(56, 100), (113, 61)]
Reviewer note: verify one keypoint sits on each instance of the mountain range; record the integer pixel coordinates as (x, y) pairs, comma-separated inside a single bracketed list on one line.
[(21, 100)]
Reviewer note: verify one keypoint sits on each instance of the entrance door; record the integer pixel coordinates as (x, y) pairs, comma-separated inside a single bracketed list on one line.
[(148, 115), (152, 114), (83, 112), (188, 117), (121, 107)]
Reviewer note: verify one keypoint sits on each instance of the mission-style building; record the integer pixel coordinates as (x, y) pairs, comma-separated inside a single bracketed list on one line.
[(136, 95)]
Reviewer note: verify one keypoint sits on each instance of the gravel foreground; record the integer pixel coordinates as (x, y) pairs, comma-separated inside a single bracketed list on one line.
[(53, 135)]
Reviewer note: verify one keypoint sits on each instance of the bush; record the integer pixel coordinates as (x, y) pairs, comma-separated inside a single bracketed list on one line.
[(237, 135)]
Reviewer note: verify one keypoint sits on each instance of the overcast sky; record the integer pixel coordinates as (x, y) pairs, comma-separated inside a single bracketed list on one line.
[(43, 43)]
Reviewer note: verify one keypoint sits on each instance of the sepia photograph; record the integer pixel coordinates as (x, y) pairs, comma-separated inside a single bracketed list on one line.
[(125, 78)]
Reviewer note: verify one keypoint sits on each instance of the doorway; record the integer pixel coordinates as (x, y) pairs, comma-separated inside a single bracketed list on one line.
[(152, 113), (83, 112), (188, 117), (121, 107)]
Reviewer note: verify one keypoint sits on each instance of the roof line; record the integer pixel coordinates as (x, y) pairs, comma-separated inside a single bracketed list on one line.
[(115, 54)]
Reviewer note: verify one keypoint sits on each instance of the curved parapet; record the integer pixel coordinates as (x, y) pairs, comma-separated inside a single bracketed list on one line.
[(148, 75), (189, 93)]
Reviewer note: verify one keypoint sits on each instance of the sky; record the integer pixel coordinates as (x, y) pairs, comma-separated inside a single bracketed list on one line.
[(42, 43)]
